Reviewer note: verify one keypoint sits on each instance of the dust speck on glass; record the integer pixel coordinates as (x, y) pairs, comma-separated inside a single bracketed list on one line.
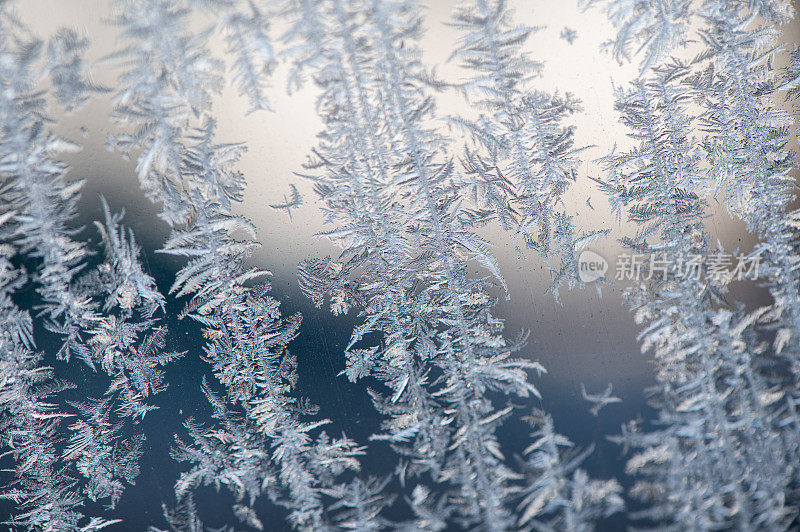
[(381, 265)]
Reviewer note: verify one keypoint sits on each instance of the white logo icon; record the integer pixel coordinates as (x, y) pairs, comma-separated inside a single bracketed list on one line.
[(591, 266)]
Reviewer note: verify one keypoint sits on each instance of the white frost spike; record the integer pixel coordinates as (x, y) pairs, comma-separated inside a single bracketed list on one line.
[(599, 400), (292, 202)]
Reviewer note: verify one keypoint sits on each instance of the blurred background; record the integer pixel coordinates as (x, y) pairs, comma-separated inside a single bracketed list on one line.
[(589, 340)]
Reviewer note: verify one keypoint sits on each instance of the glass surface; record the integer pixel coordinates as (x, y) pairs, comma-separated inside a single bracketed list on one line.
[(600, 373)]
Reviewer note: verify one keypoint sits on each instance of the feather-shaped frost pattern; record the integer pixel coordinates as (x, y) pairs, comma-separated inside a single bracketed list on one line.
[(406, 196)]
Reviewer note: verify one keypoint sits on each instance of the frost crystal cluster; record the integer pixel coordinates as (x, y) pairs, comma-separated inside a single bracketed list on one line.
[(409, 191)]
